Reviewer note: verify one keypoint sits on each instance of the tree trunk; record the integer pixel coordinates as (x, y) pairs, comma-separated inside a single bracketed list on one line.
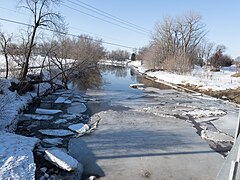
[(6, 58), (25, 68)]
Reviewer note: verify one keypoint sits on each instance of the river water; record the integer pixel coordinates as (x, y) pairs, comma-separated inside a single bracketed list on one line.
[(107, 90), (114, 87), (157, 119)]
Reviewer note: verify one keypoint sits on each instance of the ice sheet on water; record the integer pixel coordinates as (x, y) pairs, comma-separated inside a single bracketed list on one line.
[(216, 136)]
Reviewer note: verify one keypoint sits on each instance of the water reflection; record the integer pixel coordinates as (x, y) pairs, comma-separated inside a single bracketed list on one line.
[(113, 78), (91, 78), (118, 71)]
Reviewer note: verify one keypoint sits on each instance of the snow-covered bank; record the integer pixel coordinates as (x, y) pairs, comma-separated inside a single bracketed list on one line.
[(200, 77), (114, 62), (16, 157)]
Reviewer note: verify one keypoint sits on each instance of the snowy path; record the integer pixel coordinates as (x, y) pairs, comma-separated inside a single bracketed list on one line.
[(154, 139)]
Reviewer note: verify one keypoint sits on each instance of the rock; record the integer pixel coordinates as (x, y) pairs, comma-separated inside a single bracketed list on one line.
[(60, 100), (60, 121), (79, 128), (38, 117), (56, 132), (77, 108), (54, 141), (61, 159), (47, 111)]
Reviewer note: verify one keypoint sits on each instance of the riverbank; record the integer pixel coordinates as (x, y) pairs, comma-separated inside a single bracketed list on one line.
[(16, 156), (216, 84)]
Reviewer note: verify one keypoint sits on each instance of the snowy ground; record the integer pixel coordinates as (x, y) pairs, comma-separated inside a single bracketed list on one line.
[(16, 157), (200, 77)]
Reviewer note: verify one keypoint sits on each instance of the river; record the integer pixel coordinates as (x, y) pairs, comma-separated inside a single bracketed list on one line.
[(141, 133)]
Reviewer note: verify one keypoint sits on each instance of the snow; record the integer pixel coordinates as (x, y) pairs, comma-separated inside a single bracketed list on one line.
[(16, 158), (114, 62), (47, 111), (56, 132), (61, 159), (201, 77)]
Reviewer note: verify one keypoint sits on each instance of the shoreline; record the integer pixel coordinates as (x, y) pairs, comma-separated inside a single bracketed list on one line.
[(228, 95)]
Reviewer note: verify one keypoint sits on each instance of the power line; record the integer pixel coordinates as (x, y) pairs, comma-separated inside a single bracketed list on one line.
[(64, 33), (104, 20), (107, 15), (69, 26)]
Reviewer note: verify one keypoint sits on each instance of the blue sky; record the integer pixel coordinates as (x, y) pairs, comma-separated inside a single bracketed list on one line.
[(222, 19)]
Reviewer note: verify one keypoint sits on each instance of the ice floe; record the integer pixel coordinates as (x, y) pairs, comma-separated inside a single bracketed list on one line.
[(56, 132), (60, 100), (54, 141), (77, 108), (47, 111), (79, 128), (61, 159), (60, 121), (38, 117)]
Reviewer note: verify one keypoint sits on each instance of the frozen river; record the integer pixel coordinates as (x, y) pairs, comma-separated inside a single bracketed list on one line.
[(154, 133)]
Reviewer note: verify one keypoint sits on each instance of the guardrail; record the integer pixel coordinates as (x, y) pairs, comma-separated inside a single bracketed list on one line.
[(231, 167)]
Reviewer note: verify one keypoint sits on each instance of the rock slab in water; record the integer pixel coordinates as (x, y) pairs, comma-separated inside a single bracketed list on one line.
[(56, 132), (77, 108), (79, 128), (47, 111), (61, 159)]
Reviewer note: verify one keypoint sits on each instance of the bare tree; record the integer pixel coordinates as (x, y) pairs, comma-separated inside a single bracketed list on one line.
[(43, 17), (177, 40), (5, 41)]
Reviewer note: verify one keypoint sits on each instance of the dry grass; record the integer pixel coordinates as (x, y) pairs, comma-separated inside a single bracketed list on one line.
[(236, 74)]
